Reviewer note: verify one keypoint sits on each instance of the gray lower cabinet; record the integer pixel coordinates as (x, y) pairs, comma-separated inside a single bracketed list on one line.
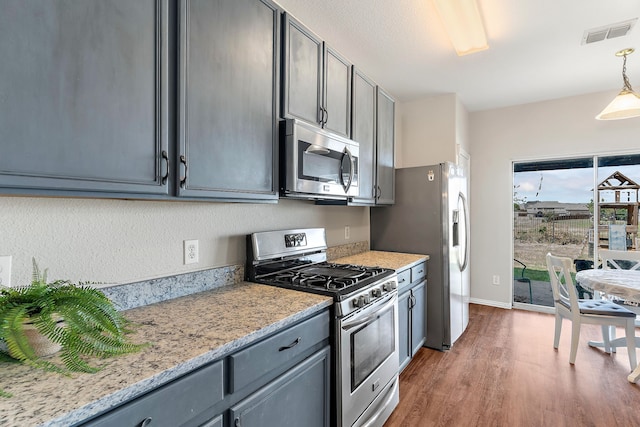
[(418, 319), (385, 144), (411, 311), (298, 398), (317, 80), (282, 380), (83, 96), (215, 422), (228, 92), (404, 328), (171, 405)]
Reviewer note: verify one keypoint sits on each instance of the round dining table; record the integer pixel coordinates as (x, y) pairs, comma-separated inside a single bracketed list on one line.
[(623, 284)]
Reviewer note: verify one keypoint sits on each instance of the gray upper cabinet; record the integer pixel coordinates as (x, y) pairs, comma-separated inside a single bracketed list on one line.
[(337, 93), (303, 52), (83, 97), (228, 91), (317, 80), (385, 175), (364, 132)]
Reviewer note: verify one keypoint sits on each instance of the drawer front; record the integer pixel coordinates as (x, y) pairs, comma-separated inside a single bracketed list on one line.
[(404, 279), (246, 366), (418, 272), (172, 404)]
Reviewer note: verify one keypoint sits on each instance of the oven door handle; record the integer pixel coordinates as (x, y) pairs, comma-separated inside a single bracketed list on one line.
[(350, 325)]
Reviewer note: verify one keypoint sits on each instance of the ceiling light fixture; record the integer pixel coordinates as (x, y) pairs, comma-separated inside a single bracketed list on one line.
[(463, 23), (627, 103)]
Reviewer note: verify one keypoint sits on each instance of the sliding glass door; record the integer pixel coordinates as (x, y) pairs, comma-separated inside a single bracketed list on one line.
[(552, 212), (570, 207)]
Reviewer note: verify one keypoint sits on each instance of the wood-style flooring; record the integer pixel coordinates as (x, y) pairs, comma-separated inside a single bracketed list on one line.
[(504, 371)]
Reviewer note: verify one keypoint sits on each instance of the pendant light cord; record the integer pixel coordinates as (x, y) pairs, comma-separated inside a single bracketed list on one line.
[(625, 79)]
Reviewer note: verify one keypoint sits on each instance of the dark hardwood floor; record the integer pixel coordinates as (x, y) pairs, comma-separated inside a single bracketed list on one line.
[(504, 371)]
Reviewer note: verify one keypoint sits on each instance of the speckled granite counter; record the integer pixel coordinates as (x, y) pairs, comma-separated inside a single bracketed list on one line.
[(393, 260), (186, 333)]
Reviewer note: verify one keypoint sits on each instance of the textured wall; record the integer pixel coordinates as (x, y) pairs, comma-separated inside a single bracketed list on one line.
[(429, 129), (121, 241), (545, 130)]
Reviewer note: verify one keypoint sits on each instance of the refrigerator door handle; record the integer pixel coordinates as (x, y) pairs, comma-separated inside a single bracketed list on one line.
[(465, 243)]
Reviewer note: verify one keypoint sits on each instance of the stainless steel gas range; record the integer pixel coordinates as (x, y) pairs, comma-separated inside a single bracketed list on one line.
[(365, 331)]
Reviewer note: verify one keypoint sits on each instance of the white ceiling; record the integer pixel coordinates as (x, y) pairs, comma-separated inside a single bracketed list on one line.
[(535, 50)]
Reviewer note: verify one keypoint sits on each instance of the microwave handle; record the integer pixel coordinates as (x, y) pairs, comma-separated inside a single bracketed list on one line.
[(347, 185)]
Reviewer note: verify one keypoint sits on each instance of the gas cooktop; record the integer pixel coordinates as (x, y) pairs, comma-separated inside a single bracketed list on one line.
[(325, 278)]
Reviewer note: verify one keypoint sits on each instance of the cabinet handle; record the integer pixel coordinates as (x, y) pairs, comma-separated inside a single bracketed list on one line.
[(378, 192), (293, 344), (326, 117), (146, 422), (183, 181), (165, 156), (237, 422), (412, 298)]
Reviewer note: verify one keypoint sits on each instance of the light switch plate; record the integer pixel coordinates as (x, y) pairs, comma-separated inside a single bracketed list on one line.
[(5, 270)]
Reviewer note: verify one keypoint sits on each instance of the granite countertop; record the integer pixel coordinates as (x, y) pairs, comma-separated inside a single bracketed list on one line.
[(393, 260), (186, 333)]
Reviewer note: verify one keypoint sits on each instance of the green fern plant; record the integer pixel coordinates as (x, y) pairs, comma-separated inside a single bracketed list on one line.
[(81, 319)]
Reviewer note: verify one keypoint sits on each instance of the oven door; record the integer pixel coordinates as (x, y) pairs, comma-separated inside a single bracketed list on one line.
[(368, 353), (318, 163)]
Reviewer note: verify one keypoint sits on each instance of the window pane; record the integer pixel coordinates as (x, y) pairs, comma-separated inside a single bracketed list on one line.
[(618, 178)]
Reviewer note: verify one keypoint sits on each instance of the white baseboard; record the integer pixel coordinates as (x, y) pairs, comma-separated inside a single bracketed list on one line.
[(490, 303)]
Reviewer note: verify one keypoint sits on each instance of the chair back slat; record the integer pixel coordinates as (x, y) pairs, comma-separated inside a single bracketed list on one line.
[(564, 291)]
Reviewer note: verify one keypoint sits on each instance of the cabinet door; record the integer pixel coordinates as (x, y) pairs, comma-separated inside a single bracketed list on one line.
[(298, 398), (215, 422), (228, 91), (363, 131), (83, 96), (337, 101), (418, 330), (385, 145), (170, 405), (404, 328), (303, 50)]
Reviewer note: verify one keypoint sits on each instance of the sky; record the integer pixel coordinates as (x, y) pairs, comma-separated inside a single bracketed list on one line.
[(565, 185)]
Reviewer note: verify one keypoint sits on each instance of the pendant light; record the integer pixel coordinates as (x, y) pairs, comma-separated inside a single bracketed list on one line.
[(627, 103)]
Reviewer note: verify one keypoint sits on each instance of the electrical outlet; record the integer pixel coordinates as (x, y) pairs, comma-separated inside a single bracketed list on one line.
[(347, 232), (496, 279), (5, 270), (191, 255)]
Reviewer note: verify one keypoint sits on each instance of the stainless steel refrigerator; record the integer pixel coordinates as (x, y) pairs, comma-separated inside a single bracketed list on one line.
[(430, 216)]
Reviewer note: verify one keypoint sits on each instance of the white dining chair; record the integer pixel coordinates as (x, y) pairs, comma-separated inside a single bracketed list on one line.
[(589, 311)]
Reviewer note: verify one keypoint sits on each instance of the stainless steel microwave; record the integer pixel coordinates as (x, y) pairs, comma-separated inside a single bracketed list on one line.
[(316, 164)]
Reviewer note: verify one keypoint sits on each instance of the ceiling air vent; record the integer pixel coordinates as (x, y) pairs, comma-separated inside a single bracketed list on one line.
[(611, 31)]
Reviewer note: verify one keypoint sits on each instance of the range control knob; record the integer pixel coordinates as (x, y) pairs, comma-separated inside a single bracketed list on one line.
[(376, 292), (361, 301), (389, 286)]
